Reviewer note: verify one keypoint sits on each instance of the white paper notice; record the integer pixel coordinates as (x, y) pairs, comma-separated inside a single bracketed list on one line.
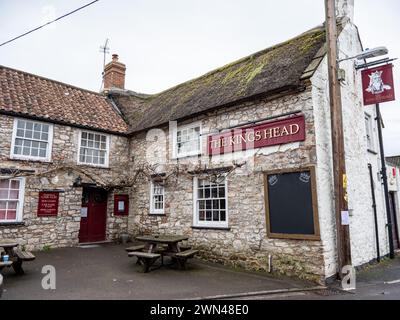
[(345, 218), (84, 212), (121, 206)]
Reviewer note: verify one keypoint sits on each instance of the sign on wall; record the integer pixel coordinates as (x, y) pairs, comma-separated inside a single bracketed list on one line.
[(253, 137), (48, 204), (378, 85)]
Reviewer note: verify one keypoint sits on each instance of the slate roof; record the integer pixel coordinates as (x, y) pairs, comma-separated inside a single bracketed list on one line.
[(25, 94), (283, 67)]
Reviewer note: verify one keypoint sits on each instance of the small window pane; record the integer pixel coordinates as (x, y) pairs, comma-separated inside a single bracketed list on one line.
[(21, 124), (29, 125), (3, 194), (11, 215)]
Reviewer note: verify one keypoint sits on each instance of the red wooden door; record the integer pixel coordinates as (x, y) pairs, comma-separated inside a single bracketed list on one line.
[(94, 215)]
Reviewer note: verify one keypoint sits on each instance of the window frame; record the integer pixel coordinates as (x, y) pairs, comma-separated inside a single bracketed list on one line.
[(194, 153), (108, 144), (49, 149), (21, 201), (209, 224), (371, 141), (152, 210), (314, 198)]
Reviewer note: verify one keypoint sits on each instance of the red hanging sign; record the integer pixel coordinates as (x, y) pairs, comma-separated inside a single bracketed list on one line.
[(378, 85), (48, 204), (264, 135)]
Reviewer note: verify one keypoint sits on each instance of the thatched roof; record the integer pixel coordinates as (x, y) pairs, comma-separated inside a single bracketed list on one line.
[(394, 161), (280, 68)]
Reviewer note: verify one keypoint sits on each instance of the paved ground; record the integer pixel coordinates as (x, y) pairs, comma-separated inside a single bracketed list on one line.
[(106, 272), (378, 282)]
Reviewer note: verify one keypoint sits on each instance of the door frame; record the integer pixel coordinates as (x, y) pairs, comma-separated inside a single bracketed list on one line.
[(90, 191)]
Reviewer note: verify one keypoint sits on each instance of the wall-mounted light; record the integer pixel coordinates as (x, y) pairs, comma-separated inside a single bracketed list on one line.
[(78, 182)]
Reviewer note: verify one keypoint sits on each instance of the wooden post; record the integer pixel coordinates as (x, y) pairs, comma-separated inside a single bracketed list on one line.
[(338, 154)]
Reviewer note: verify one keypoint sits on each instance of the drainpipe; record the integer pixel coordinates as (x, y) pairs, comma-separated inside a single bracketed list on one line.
[(378, 253)]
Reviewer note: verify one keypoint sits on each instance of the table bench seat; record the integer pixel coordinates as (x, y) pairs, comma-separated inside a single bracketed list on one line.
[(147, 259), (4, 264), (24, 255), (135, 248), (183, 256), (186, 254)]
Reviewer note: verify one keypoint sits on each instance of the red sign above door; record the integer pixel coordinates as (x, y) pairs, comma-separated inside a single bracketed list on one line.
[(378, 85), (264, 135), (48, 204)]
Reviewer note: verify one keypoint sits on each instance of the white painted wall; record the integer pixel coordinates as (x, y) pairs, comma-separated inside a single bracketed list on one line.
[(362, 230)]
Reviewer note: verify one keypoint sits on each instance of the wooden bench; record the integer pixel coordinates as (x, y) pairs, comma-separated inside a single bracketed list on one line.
[(21, 256), (4, 264), (135, 248), (183, 256), (24, 255), (145, 258), (185, 247)]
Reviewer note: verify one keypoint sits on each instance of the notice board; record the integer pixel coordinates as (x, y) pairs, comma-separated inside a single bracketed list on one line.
[(291, 204), (48, 204)]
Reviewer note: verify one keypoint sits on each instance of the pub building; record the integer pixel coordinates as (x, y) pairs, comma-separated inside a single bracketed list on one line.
[(239, 160)]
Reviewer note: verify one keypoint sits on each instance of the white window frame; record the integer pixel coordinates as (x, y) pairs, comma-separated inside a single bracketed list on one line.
[(49, 142), (107, 157), (209, 224), (368, 118), (154, 211), (193, 153), (21, 201)]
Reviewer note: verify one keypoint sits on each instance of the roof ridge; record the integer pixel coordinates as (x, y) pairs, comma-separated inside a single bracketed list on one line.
[(251, 56), (52, 80)]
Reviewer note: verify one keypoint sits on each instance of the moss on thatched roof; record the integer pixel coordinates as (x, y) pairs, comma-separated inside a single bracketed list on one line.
[(265, 72)]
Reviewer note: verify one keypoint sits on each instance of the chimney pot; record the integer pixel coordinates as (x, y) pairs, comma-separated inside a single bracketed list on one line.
[(114, 74)]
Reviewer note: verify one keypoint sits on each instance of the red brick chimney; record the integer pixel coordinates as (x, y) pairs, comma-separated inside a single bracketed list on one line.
[(114, 74)]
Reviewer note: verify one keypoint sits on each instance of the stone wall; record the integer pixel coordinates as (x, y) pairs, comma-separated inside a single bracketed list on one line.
[(245, 244), (39, 232)]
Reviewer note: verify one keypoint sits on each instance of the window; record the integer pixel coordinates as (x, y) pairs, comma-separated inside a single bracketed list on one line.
[(370, 134), (188, 141), (11, 199), (291, 204), (31, 140), (211, 209), (156, 198), (93, 149)]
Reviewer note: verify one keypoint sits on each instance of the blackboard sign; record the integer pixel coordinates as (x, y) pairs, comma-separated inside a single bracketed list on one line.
[(291, 205)]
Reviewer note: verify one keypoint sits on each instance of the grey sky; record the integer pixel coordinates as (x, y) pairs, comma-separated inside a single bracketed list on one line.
[(164, 43)]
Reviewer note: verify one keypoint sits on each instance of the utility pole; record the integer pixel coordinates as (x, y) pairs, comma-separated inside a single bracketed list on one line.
[(338, 154), (385, 182)]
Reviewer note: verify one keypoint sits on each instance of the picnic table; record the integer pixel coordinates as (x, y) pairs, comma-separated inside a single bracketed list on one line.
[(16, 256), (158, 246)]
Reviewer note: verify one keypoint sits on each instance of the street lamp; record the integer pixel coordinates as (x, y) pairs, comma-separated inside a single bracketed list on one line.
[(368, 54)]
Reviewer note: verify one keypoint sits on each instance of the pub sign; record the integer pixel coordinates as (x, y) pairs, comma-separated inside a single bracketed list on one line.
[(271, 133), (378, 85)]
